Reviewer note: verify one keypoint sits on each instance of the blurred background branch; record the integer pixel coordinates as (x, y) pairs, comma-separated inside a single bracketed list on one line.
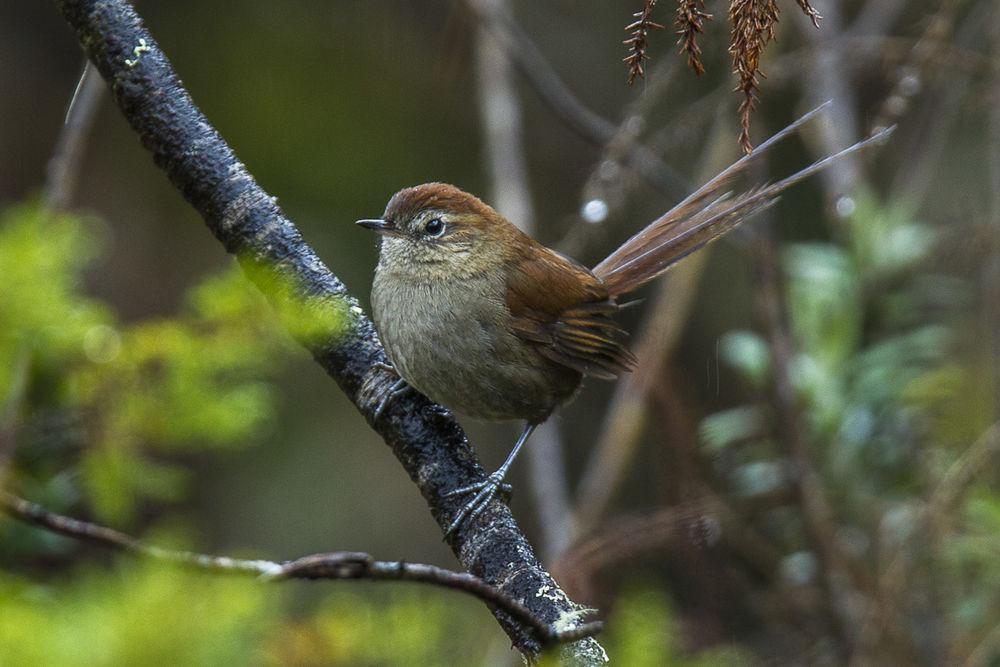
[(63, 171), (558, 97), (500, 109)]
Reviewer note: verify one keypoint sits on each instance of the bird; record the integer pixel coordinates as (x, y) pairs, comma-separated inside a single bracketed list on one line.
[(485, 320)]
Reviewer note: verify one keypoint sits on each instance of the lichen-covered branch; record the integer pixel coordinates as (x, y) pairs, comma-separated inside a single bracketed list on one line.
[(249, 223)]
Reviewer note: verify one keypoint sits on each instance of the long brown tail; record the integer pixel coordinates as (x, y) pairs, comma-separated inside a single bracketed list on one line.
[(705, 215)]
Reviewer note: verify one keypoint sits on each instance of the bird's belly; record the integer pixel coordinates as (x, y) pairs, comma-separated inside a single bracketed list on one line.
[(451, 344)]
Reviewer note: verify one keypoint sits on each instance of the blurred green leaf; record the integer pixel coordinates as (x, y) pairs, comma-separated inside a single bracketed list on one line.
[(643, 633), (45, 318), (722, 429), (137, 614), (748, 353), (885, 238)]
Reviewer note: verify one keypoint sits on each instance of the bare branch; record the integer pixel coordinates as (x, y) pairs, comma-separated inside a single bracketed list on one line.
[(335, 565), (64, 167), (810, 12), (817, 514), (500, 110), (558, 97), (942, 501), (625, 421), (826, 78), (11, 408)]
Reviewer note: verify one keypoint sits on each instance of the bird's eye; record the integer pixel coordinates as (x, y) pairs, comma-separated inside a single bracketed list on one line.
[(434, 227)]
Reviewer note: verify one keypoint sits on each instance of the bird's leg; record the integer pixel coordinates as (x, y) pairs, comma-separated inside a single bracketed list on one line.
[(488, 488), (397, 388)]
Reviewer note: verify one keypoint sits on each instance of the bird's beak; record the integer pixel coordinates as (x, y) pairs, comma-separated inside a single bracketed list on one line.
[(379, 226)]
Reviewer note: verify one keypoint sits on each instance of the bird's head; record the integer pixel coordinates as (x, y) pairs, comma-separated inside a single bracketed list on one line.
[(435, 230)]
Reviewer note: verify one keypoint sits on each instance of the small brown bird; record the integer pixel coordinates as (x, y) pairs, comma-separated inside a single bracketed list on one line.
[(485, 320)]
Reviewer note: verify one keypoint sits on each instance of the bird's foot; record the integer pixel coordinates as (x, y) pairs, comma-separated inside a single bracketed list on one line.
[(397, 388), (484, 492)]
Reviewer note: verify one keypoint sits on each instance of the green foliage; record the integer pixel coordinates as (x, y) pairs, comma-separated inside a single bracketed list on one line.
[(866, 355), (135, 614), (143, 613), (970, 557), (308, 319), (194, 381), (643, 632), (138, 393), (44, 320), (886, 402), (404, 626)]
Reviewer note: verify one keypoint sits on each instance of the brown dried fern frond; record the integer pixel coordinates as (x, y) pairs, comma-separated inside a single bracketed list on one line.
[(691, 16), (638, 42), (809, 11), (753, 24)]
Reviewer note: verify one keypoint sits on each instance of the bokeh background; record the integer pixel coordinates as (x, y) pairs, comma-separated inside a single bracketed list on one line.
[(803, 470)]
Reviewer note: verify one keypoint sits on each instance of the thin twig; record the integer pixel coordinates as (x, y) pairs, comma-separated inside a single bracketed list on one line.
[(11, 408), (609, 184), (815, 509), (334, 565), (942, 501), (625, 420), (566, 106), (63, 170), (827, 79), (984, 653), (991, 273), (500, 110)]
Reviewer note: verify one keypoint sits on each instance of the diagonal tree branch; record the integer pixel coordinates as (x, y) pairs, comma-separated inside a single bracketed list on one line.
[(334, 565), (248, 222)]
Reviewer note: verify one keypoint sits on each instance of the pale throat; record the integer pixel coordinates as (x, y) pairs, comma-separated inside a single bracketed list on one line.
[(419, 262)]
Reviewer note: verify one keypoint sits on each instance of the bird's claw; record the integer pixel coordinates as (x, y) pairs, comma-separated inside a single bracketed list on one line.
[(397, 388), (485, 492)]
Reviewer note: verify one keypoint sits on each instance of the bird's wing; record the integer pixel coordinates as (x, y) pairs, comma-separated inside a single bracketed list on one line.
[(566, 311)]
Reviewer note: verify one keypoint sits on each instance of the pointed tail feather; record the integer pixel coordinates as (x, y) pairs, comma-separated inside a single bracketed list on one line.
[(704, 216)]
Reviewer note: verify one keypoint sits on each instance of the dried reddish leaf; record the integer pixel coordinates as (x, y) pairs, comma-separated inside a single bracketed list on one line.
[(691, 16)]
